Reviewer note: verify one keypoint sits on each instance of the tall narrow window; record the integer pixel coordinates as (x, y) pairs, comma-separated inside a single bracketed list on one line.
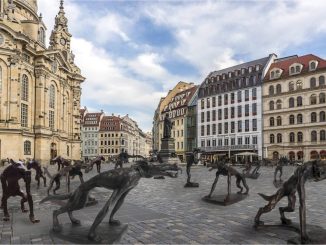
[(313, 136), (52, 97), (321, 81), (300, 137), (313, 117), (279, 121), (41, 36), (278, 89), (271, 139), (24, 115), (322, 135), (291, 102), (291, 119), (271, 90), (322, 116), (299, 119), (271, 122), (322, 98), (27, 147), (279, 138), (271, 105), (313, 82), (278, 104), (291, 86), (299, 101), (24, 88), (292, 137), (313, 99)]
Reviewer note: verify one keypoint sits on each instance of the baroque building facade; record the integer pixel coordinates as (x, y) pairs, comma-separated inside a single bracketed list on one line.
[(229, 119), (294, 101), (39, 86)]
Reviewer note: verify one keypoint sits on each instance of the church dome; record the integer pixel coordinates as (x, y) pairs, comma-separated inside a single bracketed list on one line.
[(25, 9)]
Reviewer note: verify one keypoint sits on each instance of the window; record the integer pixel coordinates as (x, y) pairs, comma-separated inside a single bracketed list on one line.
[(213, 142), (214, 129), (299, 101), (291, 102), (239, 126), (297, 69), (208, 116), (232, 112), (271, 105), (271, 90), (226, 113), (232, 127), (51, 120), (300, 137), (292, 70), (312, 65), (232, 98), (254, 94), (313, 136), (291, 86), (239, 111), (240, 141), (299, 119), (313, 99), (271, 122), (232, 141), (208, 103), (226, 142), (226, 128), (208, 129), (202, 116), (52, 97), (247, 140), (292, 137), (322, 135), (202, 143), (279, 121), (247, 125), (219, 142), (254, 124), (278, 89), (214, 102), (254, 140), (322, 117), (313, 82), (202, 104), (321, 81), (246, 95), (299, 85), (27, 148), (219, 100), (271, 138), (322, 98), (68, 152), (24, 115), (239, 96), (220, 128), (291, 119), (24, 88), (279, 138), (313, 117), (214, 115), (219, 114), (246, 110), (254, 109), (226, 98)]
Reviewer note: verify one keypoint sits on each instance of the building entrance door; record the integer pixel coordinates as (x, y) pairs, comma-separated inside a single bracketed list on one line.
[(53, 150)]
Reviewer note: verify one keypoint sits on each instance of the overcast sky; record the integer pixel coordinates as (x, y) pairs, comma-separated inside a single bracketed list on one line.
[(132, 52)]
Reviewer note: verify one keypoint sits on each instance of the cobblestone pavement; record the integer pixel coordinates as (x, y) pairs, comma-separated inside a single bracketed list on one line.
[(163, 211)]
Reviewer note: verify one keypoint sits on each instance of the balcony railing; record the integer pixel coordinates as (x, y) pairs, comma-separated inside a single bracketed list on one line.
[(231, 147)]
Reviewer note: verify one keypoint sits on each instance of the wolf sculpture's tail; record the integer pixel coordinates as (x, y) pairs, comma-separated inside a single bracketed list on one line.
[(55, 197)]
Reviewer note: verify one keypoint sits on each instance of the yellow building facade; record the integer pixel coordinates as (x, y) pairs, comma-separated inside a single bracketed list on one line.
[(39, 86)]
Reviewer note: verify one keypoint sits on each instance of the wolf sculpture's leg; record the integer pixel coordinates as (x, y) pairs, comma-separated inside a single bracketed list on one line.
[(117, 207), (73, 219), (289, 208), (244, 182), (101, 215), (214, 184), (238, 185)]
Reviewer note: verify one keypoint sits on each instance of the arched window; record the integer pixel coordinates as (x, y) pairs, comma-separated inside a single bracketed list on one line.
[(24, 88), (291, 86), (312, 66), (271, 138), (299, 101), (313, 136), (279, 138), (279, 104), (300, 137), (313, 99), (299, 85), (314, 155), (271, 105), (291, 102), (299, 119), (291, 155), (27, 147), (313, 82), (291, 119), (271, 121), (278, 89), (322, 98), (300, 155), (322, 135), (275, 155), (313, 117), (322, 155), (52, 97), (292, 137), (41, 36), (279, 121), (321, 81), (322, 116), (271, 90)]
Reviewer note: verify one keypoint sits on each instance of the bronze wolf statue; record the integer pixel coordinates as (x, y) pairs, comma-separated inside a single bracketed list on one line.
[(121, 181)]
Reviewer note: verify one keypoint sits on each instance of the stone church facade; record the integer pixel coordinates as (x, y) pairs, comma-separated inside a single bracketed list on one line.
[(40, 87)]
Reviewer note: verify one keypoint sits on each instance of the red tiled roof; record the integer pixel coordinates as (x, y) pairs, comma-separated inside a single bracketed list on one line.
[(287, 62), (92, 119), (110, 123), (184, 101)]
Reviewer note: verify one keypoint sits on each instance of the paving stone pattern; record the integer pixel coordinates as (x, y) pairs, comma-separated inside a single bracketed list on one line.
[(163, 211)]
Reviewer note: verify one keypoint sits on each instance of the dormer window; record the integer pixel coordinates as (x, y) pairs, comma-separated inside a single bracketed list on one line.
[(223, 76), (218, 78), (230, 74), (295, 69), (275, 73), (250, 68), (313, 65), (257, 67), (243, 71)]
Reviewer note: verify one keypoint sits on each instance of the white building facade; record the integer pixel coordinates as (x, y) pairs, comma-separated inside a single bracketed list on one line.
[(229, 113)]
